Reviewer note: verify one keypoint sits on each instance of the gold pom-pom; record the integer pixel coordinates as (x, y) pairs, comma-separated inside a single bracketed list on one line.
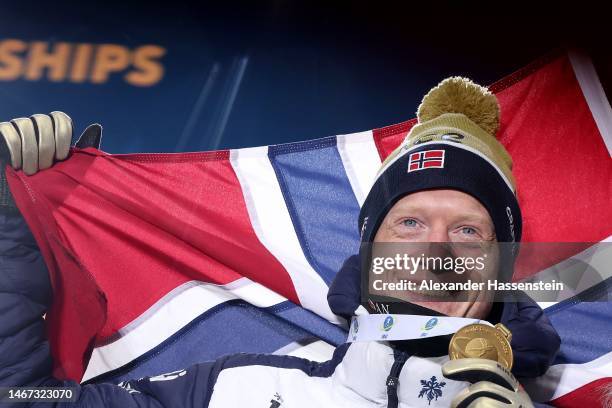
[(460, 95)]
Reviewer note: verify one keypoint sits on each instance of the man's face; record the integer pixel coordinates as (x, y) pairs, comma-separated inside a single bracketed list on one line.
[(444, 216)]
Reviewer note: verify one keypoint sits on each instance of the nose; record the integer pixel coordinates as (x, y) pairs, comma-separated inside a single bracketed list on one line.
[(438, 238), (438, 233)]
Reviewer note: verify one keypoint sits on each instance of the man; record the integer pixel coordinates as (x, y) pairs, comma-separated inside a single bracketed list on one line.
[(450, 182)]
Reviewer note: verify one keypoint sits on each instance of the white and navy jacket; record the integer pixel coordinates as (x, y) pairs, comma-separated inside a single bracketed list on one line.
[(373, 374)]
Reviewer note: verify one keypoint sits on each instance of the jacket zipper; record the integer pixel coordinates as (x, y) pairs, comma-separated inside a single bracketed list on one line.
[(393, 378)]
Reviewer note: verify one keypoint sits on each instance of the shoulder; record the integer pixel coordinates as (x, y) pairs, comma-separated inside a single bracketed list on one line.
[(309, 367)]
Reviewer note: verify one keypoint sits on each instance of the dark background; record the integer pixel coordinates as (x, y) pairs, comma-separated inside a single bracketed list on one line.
[(240, 74)]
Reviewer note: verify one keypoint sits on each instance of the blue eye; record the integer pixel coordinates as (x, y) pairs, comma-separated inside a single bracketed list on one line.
[(468, 230), (410, 223)]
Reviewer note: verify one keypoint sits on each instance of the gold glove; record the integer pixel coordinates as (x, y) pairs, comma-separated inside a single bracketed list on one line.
[(493, 386), (35, 143)]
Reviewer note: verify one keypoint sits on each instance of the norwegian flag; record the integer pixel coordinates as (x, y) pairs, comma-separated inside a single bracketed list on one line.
[(161, 261), (429, 159)]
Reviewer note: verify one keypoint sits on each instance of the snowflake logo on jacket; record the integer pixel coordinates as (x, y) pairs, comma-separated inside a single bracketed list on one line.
[(432, 389)]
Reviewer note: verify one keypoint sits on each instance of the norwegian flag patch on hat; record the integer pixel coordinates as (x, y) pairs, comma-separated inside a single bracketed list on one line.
[(427, 159)]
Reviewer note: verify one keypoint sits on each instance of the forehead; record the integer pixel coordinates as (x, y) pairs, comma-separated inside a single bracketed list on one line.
[(441, 200)]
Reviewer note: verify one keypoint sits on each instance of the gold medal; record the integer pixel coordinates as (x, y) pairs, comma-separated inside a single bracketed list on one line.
[(482, 341)]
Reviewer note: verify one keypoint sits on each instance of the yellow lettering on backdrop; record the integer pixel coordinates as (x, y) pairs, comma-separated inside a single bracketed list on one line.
[(10, 63), (80, 62), (109, 58), (40, 58), (150, 71)]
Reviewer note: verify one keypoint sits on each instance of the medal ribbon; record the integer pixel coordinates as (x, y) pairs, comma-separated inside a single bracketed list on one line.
[(388, 327)]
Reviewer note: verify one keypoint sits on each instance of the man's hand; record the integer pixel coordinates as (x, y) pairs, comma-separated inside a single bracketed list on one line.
[(36, 143), (493, 386)]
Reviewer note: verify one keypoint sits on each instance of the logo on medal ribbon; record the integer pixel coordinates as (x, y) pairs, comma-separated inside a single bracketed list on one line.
[(388, 323), (431, 323)]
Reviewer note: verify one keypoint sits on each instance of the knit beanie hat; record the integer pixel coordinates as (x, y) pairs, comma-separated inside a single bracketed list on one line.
[(453, 146)]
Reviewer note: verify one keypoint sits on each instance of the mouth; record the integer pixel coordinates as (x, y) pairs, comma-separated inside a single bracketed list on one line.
[(436, 294)]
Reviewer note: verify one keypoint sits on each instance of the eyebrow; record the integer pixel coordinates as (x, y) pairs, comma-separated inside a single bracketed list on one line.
[(475, 218), (469, 216)]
